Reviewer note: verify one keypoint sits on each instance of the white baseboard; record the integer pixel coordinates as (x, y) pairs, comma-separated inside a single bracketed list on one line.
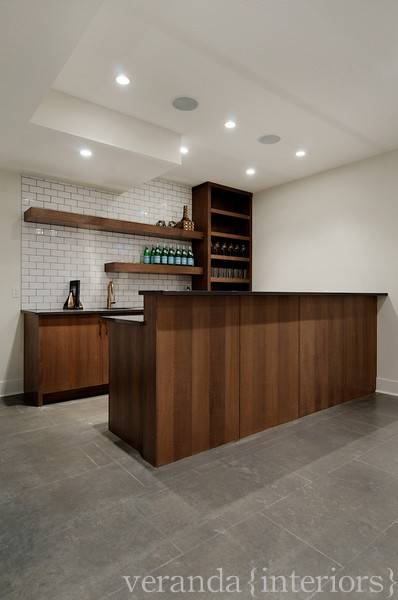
[(387, 386), (10, 387)]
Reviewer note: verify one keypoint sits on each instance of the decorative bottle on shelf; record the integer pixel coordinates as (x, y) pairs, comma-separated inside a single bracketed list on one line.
[(186, 222), (216, 248), (147, 256), (158, 254), (224, 249), (191, 261), (184, 257), (231, 249), (243, 250), (237, 250), (177, 260), (152, 255), (171, 256), (165, 255)]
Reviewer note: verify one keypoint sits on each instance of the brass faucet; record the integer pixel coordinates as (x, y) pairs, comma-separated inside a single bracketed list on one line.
[(111, 298)]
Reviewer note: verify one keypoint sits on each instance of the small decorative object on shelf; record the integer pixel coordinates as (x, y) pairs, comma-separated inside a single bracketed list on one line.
[(171, 224), (186, 222), (73, 300), (161, 223)]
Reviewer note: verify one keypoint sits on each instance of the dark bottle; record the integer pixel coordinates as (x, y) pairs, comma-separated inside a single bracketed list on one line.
[(231, 249), (216, 248), (243, 250), (237, 250), (224, 249)]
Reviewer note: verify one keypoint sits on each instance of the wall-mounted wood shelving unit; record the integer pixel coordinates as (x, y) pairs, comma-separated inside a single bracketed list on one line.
[(224, 214), (69, 219), (122, 267)]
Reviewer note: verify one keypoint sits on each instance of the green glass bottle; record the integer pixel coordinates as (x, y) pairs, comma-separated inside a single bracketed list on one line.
[(171, 256), (191, 261), (165, 255), (158, 254), (184, 257), (153, 255), (147, 256), (177, 260)]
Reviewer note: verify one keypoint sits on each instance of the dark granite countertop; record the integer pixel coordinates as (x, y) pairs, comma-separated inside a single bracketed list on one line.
[(245, 293), (89, 311)]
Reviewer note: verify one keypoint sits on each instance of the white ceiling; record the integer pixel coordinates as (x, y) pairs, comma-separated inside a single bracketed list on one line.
[(322, 74)]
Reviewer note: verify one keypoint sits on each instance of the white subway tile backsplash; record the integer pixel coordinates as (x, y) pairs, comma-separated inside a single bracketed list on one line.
[(59, 254)]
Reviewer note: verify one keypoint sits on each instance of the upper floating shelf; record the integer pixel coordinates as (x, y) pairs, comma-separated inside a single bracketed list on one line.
[(69, 219)]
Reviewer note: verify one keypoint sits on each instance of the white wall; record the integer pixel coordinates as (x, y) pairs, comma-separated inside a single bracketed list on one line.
[(336, 231), (11, 346)]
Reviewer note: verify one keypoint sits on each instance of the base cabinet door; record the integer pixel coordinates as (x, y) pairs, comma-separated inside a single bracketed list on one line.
[(71, 353)]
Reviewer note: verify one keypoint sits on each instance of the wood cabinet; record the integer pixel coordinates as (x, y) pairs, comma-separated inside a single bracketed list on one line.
[(217, 366), (65, 355)]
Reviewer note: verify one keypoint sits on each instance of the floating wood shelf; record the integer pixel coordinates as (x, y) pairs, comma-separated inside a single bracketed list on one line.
[(68, 219), (228, 280), (231, 258), (232, 236), (122, 267), (229, 213)]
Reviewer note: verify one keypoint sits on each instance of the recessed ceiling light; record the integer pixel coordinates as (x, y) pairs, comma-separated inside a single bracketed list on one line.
[(269, 139), (85, 152), (250, 171), (301, 153), (185, 103), (184, 150), (230, 124), (122, 79)]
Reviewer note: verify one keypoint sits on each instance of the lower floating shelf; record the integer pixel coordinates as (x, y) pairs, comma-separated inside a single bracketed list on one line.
[(121, 267)]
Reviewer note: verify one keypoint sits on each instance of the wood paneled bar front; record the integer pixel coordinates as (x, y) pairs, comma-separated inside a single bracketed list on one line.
[(206, 368)]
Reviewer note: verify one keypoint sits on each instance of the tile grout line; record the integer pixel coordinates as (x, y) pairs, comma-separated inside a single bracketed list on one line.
[(303, 541)]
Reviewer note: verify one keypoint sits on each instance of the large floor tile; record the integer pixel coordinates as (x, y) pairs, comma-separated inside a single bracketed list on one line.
[(85, 560), (247, 552)]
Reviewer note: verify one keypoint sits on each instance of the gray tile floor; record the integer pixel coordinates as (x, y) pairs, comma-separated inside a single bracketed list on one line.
[(79, 509)]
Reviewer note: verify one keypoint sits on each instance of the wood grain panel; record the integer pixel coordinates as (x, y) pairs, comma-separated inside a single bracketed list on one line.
[(337, 350), (126, 382), (32, 360), (269, 370), (71, 355), (360, 345), (322, 356), (197, 374)]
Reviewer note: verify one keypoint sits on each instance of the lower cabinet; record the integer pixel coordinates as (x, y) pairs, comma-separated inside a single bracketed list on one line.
[(64, 354)]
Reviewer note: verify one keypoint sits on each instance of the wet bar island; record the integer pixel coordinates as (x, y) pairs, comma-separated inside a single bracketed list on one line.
[(206, 368)]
